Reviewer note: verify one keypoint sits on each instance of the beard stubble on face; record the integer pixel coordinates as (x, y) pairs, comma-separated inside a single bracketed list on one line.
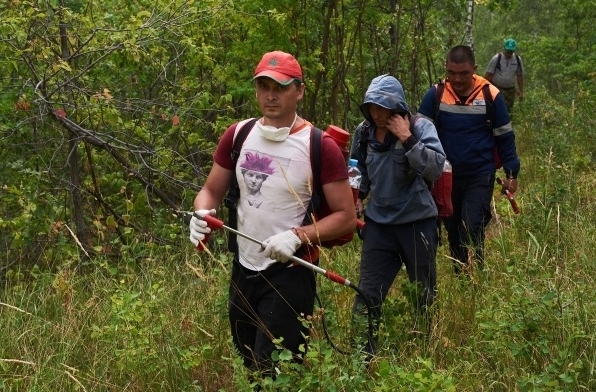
[(281, 111)]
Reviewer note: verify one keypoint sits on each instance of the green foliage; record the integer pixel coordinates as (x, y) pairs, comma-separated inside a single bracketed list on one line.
[(424, 377), (555, 43), (120, 105), (100, 289)]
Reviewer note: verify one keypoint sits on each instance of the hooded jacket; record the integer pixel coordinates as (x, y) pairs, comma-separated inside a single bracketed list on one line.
[(396, 176)]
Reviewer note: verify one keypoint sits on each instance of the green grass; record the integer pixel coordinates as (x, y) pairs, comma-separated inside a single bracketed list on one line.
[(156, 319)]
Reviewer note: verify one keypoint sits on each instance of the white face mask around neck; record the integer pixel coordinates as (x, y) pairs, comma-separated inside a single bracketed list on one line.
[(275, 134)]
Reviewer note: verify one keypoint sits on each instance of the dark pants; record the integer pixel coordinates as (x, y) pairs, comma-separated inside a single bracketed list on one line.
[(509, 93), (385, 249), (471, 197), (268, 305)]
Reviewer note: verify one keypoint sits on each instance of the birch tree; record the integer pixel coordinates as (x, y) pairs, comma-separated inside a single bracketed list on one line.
[(470, 24)]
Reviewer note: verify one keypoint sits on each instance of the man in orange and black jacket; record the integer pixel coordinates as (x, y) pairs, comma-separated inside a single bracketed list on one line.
[(470, 146)]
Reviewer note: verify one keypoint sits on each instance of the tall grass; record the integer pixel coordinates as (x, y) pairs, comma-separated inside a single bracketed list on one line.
[(156, 320)]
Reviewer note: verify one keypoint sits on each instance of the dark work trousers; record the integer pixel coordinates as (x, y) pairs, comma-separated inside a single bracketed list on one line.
[(385, 249), (267, 305), (471, 197), (509, 93)]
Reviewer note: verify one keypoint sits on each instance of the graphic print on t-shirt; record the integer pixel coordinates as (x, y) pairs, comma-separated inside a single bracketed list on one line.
[(274, 186), (256, 168)]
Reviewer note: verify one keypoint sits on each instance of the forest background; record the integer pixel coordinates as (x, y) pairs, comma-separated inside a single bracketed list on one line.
[(110, 112)]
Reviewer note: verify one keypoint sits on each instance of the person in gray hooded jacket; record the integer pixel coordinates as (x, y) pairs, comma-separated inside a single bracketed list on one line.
[(398, 163)]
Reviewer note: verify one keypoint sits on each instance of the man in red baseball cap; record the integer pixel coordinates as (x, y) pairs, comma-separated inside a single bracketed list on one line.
[(279, 66), (269, 297)]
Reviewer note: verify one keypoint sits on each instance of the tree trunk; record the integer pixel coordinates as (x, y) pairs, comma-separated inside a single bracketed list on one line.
[(470, 24), (73, 157)]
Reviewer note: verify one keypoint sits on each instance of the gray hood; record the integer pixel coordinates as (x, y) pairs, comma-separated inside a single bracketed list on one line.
[(385, 91)]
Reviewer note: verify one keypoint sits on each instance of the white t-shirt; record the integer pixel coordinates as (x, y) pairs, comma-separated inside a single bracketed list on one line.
[(506, 75), (283, 195)]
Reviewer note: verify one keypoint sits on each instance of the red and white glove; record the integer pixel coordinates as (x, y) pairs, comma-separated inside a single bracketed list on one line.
[(282, 246), (199, 228)]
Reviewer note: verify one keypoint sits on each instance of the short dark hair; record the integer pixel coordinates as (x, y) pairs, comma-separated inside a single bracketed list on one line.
[(461, 54)]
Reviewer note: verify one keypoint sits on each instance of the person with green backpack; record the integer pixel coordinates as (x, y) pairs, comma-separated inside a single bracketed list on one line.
[(504, 69)]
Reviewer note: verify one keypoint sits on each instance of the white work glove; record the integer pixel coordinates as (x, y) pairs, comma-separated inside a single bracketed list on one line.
[(198, 227), (282, 246)]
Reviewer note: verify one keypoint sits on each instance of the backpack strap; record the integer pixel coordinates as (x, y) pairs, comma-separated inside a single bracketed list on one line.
[(362, 145), (498, 66), (316, 145), (318, 206), (240, 137), (490, 103), (439, 89), (231, 199)]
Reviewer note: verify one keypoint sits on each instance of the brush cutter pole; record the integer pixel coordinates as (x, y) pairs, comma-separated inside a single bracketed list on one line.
[(510, 197), (215, 223)]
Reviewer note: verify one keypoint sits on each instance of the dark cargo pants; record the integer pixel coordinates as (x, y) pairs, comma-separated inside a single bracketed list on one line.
[(267, 305), (471, 197), (385, 250)]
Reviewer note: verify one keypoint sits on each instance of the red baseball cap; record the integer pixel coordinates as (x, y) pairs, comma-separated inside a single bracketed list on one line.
[(279, 66)]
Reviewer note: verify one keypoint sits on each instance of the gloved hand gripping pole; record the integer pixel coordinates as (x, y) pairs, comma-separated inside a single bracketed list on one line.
[(216, 224), (510, 197)]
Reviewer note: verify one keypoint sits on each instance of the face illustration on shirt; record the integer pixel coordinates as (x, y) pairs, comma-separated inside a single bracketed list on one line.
[(253, 180)]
